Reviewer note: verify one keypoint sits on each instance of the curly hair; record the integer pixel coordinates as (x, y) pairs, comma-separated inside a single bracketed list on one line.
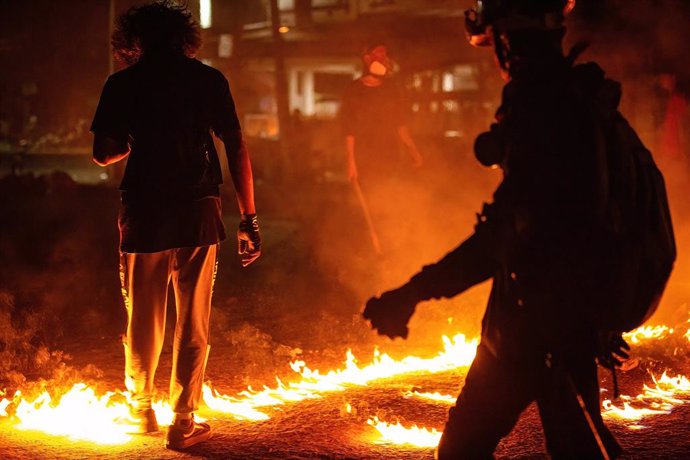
[(162, 27)]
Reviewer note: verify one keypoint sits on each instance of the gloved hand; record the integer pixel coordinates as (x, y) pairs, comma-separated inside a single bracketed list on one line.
[(612, 349), (390, 313), (248, 239)]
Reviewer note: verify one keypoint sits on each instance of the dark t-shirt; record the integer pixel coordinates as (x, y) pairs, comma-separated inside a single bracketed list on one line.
[(166, 109), (372, 115)]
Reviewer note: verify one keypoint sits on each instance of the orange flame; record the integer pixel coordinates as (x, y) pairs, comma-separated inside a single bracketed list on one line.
[(660, 399), (436, 397), (101, 419), (643, 333), (395, 433)]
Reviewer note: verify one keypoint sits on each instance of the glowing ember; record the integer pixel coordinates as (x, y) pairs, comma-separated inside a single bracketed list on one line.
[(399, 435), (436, 397)]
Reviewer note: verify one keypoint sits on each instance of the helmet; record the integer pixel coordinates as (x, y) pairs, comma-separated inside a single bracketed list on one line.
[(512, 15)]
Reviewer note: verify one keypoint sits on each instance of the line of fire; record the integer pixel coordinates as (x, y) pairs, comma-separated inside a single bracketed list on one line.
[(344, 229)]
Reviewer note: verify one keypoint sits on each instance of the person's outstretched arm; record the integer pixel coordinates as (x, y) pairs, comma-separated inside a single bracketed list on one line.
[(467, 265)]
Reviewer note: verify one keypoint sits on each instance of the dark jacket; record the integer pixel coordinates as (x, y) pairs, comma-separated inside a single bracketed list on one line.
[(542, 240)]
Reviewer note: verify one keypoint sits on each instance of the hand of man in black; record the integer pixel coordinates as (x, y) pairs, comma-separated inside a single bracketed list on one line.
[(248, 239), (612, 349), (390, 313)]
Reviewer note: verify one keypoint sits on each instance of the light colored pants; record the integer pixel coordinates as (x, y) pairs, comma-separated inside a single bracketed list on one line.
[(145, 278)]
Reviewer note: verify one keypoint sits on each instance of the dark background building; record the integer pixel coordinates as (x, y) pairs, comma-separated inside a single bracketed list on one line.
[(288, 62)]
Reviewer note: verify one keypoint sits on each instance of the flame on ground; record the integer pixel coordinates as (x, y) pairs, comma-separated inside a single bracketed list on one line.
[(436, 397), (395, 433), (3, 404), (103, 419), (658, 332), (657, 400), (80, 414), (643, 333)]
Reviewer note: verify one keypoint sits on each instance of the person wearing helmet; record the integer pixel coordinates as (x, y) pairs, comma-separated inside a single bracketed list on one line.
[(540, 241)]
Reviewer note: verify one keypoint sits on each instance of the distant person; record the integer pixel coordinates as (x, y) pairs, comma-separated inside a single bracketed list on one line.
[(375, 119), (675, 130), (374, 116), (577, 242), (161, 113)]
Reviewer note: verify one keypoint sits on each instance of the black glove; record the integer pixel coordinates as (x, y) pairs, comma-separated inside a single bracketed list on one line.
[(390, 313), (612, 349), (248, 239)]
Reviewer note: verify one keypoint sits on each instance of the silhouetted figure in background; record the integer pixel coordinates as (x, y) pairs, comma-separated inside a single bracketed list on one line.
[(674, 141), (374, 116), (544, 242), (161, 113)]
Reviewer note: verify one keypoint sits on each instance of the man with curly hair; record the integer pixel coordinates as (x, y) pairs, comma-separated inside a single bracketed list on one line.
[(161, 113)]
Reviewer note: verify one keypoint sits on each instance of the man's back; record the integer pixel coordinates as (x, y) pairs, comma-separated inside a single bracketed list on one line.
[(168, 107)]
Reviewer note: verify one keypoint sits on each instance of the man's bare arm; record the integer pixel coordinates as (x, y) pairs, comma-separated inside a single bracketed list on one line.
[(240, 170), (404, 134), (107, 150), (248, 237)]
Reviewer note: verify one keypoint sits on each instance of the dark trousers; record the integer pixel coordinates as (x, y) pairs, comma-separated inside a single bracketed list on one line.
[(496, 393), (145, 279)]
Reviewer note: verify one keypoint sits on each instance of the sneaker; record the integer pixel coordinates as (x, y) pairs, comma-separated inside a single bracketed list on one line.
[(141, 421), (186, 433)]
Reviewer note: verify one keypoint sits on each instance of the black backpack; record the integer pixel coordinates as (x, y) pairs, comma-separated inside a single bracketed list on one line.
[(637, 217)]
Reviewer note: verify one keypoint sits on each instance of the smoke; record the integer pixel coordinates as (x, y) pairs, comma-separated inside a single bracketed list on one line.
[(633, 37), (432, 209), (418, 215), (51, 247)]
